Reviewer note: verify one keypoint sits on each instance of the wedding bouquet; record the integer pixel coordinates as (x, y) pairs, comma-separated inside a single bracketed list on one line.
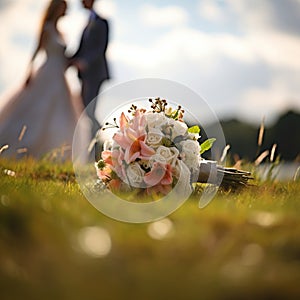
[(152, 150)]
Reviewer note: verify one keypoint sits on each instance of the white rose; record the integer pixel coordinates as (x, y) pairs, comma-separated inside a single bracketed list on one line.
[(135, 175), (166, 155), (190, 147), (154, 137), (192, 162), (190, 153), (177, 128), (155, 120)]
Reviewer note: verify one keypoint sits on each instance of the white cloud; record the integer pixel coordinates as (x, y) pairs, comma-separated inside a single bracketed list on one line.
[(269, 101), (210, 10), (251, 15), (162, 16), (259, 22), (107, 8), (267, 15), (230, 69), (277, 49), (183, 44)]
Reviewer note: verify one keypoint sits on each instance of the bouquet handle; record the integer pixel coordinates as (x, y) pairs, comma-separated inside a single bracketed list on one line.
[(229, 178)]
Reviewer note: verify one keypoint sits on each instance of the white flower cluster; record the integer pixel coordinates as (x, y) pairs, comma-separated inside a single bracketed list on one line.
[(184, 145)]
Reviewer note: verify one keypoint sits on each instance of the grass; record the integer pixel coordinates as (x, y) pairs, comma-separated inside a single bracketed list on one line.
[(243, 245)]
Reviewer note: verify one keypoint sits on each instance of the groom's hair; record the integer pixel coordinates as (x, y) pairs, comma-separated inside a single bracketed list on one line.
[(91, 3)]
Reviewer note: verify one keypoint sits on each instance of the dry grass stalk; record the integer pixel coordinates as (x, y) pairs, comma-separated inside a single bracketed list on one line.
[(296, 174), (3, 148), (21, 135), (272, 156), (261, 132), (22, 150), (238, 164), (224, 154), (261, 157)]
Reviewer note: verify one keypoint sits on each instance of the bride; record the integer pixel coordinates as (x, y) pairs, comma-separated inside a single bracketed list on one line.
[(41, 117)]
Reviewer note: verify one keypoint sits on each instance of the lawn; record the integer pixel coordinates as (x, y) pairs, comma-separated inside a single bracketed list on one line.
[(55, 245)]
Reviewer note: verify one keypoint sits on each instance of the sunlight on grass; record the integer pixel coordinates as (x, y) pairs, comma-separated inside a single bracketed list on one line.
[(55, 245)]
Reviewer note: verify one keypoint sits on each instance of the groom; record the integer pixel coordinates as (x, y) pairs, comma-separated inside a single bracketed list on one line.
[(91, 62)]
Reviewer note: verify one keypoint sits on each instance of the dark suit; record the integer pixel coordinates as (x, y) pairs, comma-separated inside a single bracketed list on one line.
[(91, 51)]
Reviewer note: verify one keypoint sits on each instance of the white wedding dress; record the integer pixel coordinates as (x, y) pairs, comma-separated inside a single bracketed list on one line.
[(45, 107)]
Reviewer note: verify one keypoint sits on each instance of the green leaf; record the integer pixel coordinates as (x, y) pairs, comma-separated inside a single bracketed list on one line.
[(205, 146), (194, 129), (175, 115)]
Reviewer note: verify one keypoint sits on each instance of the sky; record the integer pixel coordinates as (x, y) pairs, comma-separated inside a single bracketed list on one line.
[(241, 56)]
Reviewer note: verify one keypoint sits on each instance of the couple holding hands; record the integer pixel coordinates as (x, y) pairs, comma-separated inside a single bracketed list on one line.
[(43, 110)]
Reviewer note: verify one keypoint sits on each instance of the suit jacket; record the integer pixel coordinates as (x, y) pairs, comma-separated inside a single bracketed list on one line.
[(92, 50)]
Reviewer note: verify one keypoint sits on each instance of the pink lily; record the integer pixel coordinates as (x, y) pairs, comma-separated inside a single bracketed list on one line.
[(160, 174), (138, 149)]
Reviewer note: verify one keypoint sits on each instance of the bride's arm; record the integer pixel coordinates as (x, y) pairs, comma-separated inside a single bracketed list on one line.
[(40, 45)]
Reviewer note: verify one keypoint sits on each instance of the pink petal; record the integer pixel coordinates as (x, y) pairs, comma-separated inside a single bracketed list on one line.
[(123, 121), (168, 179), (132, 152), (106, 156), (131, 134), (155, 176), (146, 150), (120, 139)]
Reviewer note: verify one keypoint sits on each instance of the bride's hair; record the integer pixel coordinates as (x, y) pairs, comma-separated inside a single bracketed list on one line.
[(50, 15), (51, 12)]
